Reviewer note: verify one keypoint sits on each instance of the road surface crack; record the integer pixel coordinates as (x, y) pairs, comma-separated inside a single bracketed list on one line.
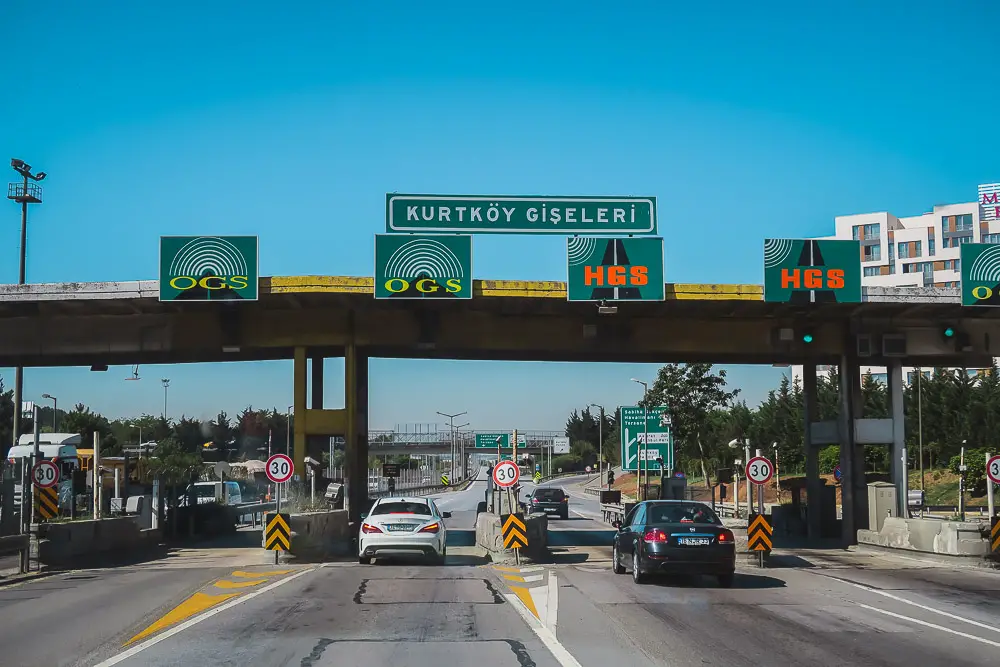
[(520, 652), (497, 598), (362, 589), (317, 651)]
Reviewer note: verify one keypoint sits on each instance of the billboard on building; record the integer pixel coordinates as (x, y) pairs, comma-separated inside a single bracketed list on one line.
[(989, 201)]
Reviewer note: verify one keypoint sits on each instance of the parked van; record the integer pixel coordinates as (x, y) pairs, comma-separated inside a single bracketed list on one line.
[(215, 492)]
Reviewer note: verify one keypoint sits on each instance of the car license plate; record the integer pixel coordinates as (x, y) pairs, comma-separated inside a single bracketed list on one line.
[(694, 541), (398, 527)]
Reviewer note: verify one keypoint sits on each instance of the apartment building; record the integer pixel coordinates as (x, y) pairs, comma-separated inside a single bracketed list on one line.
[(921, 250)]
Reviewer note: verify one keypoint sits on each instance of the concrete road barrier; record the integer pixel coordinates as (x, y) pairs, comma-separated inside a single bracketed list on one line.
[(490, 538), (950, 538), (76, 542), (320, 535)]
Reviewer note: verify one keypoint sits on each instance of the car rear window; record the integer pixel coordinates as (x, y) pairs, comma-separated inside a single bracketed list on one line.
[(402, 508), (549, 494), (682, 513)]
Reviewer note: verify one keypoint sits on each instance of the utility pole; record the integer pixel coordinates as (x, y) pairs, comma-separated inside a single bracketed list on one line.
[(55, 411), (920, 423), (451, 421), (644, 450), (23, 193)]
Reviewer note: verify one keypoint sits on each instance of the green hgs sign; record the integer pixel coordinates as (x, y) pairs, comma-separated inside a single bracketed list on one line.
[(980, 274), (423, 267), (802, 271), (493, 214), (614, 269), (633, 433), (208, 268)]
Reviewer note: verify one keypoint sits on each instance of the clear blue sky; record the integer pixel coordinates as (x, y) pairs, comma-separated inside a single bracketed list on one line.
[(292, 121)]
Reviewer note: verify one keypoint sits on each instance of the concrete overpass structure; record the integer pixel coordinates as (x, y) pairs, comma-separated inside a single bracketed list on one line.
[(309, 318)]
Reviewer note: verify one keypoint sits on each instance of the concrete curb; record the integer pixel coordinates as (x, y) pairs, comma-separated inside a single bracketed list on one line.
[(967, 562), (15, 579)]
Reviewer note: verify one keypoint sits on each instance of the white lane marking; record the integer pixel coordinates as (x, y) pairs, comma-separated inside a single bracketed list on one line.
[(530, 569), (532, 578), (917, 604), (552, 611), (139, 648), (930, 625), (558, 651)]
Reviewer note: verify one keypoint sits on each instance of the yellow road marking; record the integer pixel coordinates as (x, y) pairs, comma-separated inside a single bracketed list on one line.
[(238, 584), (513, 577), (195, 604), (500, 568), (524, 596), (256, 575)]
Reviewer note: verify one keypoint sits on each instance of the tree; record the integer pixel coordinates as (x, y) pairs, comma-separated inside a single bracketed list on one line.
[(690, 392), (85, 422)]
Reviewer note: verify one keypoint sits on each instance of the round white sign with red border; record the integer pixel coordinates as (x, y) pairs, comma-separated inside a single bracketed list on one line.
[(279, 468), (45, 474), (993, 469), (759, 470), (506, 474)]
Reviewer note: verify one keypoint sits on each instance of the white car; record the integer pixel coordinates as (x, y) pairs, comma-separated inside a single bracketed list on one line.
[(403, 526)]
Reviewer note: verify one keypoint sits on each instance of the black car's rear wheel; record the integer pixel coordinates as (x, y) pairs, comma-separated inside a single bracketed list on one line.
[(616, 564), (637, 576)]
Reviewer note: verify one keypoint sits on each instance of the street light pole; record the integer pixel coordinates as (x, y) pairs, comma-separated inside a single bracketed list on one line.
[(451, 421), (23, 193), (920, 423), (600, 441), (55, 411), (644, 450), (166, 384), (288, 433)]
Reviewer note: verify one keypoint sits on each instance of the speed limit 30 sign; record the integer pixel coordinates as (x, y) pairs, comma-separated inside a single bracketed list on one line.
[(506, 474), (45, 474), (993, 469), (759, 470), (279, 468)]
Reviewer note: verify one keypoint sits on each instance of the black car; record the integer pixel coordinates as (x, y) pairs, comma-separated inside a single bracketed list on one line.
[(550, 500), (674, 537)]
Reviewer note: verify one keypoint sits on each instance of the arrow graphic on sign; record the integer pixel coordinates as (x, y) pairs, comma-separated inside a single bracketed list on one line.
[(629, 441)]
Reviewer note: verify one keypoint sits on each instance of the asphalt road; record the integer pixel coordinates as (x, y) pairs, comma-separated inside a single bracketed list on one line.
[(227, 607)]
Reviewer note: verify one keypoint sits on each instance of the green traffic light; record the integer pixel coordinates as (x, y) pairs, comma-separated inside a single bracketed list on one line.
[(807, 338), (949, 332)]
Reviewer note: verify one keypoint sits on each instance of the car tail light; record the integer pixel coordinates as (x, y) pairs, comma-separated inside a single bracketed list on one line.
[(433, 528), (726, 537), (368, 528), (565, 500), (655, 535)]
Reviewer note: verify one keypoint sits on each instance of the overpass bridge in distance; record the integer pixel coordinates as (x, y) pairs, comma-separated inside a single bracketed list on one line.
[(439, 442), (309, 318)]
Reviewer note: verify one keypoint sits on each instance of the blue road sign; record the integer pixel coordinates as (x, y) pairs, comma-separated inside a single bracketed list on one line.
[(837, 474)]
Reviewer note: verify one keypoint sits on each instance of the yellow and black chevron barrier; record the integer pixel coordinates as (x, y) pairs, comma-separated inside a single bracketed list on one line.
[(515, 533), (444, 480), (46, 503), (759, 533), (995, 536), (277, 535)]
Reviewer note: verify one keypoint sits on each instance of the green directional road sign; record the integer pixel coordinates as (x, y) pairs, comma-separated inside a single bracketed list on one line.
[(423, 267), (489, 440), (661, 440), (980, 274), (600, 269), (802, 271), (487, 214), (208, 268)]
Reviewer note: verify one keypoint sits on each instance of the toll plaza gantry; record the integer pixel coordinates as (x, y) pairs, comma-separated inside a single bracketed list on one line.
[(310, 318)]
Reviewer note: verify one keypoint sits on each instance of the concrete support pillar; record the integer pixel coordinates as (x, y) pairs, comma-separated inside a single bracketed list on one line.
[(356, 453), (299, 382), (814, 495), (898, 415), (316, 390), (852, 464)]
